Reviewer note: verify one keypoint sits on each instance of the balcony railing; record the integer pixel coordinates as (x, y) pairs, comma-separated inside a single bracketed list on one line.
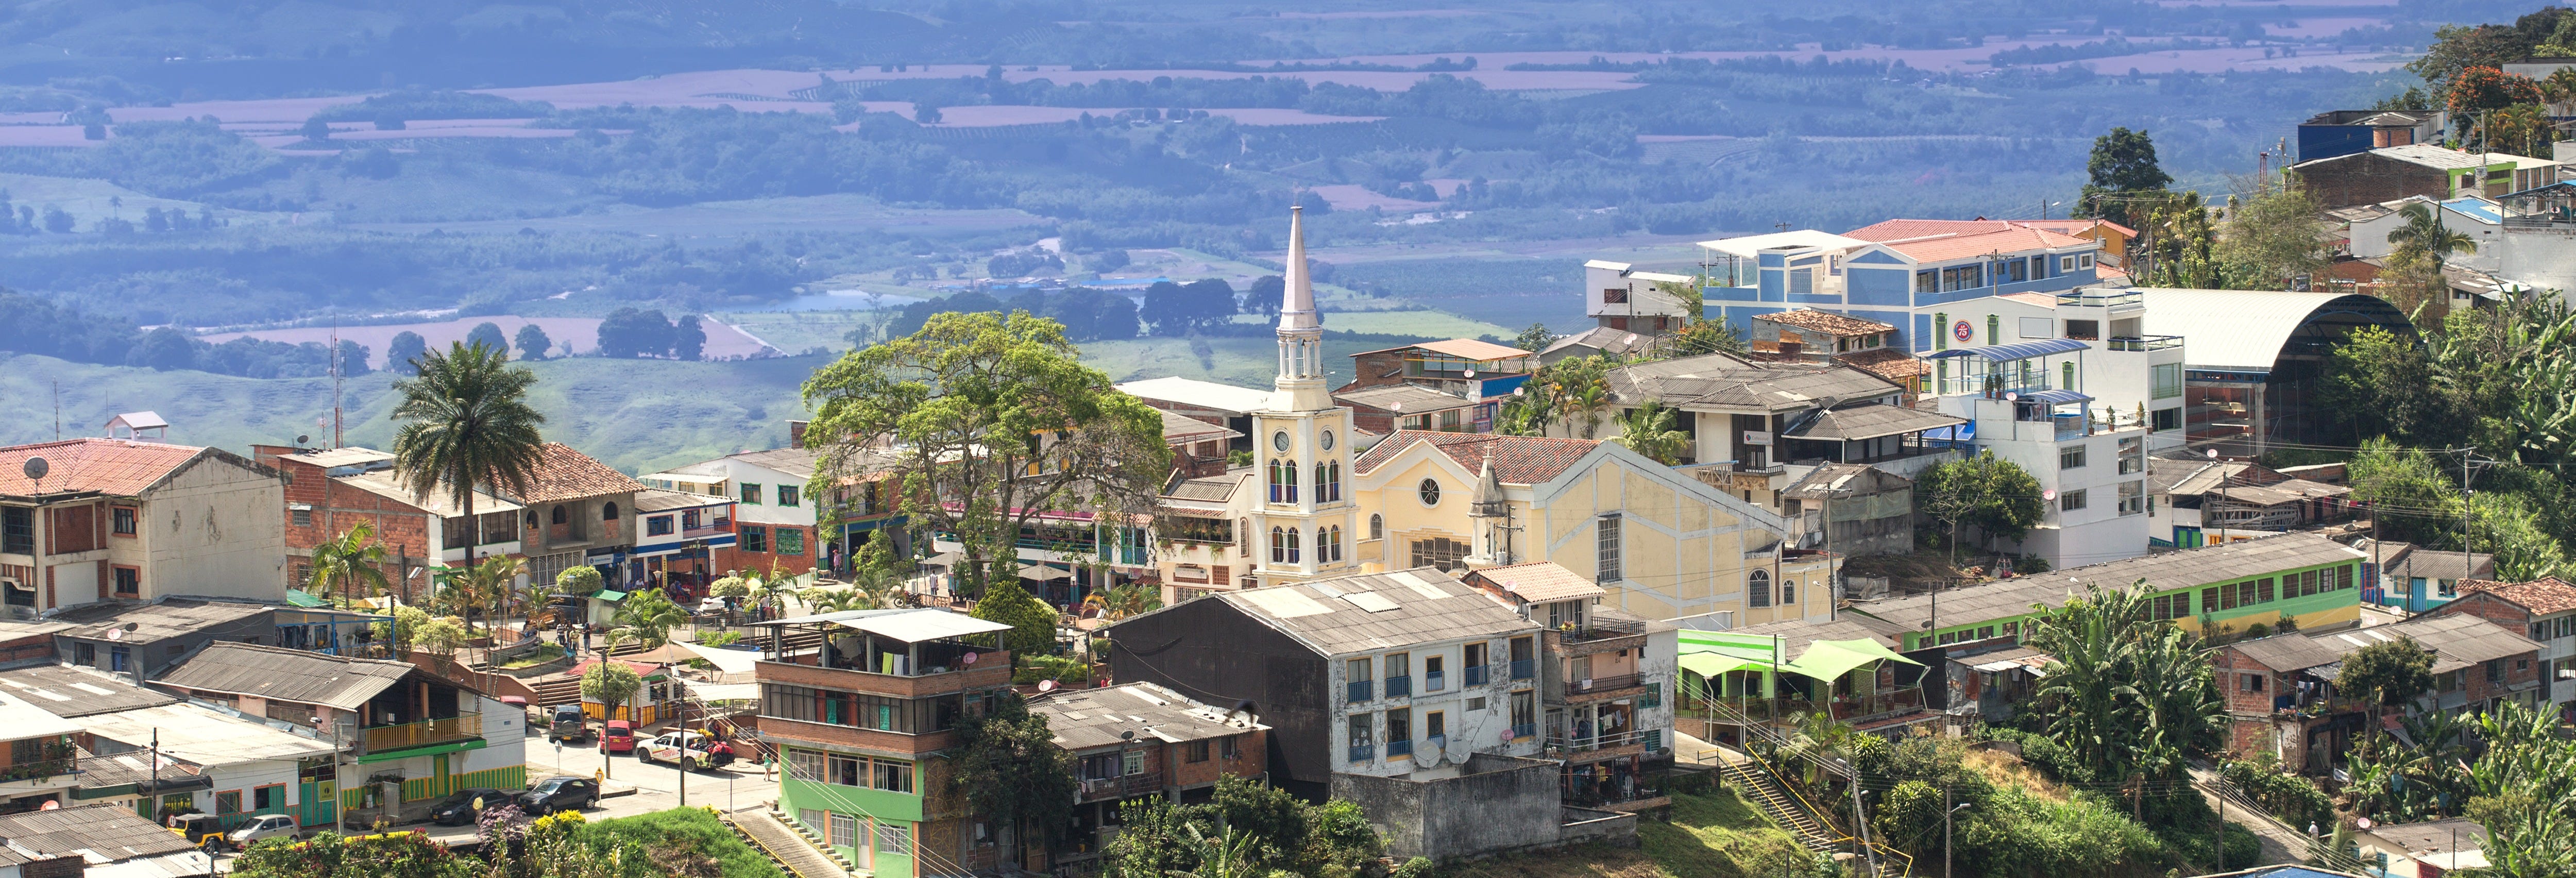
[(1360, 690), (379, 739), (1399, 748), (1398, 687), (1434, 681), (1524, 730), (1522, 669), (2146, 343), (1604, 684), (2097, 298), (1363, 753), (1561, 742), (1603, 629), (1101, 788), (1594, 794), (1476, 674)]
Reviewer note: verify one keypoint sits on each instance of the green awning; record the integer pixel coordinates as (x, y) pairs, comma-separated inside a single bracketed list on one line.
[(303, 599), (428, 750), (1711, 664), (609, 596), (1828, 660)]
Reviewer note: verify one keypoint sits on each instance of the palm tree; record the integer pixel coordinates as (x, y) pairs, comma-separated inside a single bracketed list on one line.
[(2423, 235), (1654, 431), (1119, 602), (466, 421), (353, 558), (647, 617), (499, 577)]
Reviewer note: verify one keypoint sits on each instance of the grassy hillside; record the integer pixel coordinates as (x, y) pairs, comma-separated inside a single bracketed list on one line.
[(1711, 835)]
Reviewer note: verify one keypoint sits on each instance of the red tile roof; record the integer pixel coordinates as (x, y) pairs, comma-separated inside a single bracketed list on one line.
[(1892, 364), (114, 467), (1518, 460), (1540, 582), (1827, 322), (565, 474), (2542, 596)]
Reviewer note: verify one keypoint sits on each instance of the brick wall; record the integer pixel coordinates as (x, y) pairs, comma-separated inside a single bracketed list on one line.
[(736, 557), (2371, 179), (2489, 607), (2233, 670), (403, 529), (1376, 370), (1247, 761)]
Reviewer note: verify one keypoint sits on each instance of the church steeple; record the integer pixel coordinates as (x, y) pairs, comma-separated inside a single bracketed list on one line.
[(1300, 384)]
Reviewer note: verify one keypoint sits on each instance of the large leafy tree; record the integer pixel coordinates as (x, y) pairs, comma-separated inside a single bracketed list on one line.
[(611, 683), (1009, 767), (352, 562), (2390, 672), (2381, 383), (466, 422), (992, 422), (2274, 236), (1032, 623), (1654, 431), (1993, 496), (2122, 166), (2129, 695)]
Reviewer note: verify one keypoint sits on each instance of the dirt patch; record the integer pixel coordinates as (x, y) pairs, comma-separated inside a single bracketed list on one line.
[(2007, 770), (1590, 861)]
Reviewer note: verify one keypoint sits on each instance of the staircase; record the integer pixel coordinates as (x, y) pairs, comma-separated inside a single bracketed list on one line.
[(795, 846), (1783, 808), (551, 691)]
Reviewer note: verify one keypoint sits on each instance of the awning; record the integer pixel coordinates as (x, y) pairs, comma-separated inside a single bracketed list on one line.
[(2005, 353), (1830, 659), (731, 661), (2055, 397), (1711, 664), (1043, 573), (303, 599), (722, 691), (608, 595), (860, 527), (909, 625)]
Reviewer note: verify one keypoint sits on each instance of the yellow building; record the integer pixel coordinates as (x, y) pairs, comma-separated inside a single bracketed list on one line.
[(1662, 544)]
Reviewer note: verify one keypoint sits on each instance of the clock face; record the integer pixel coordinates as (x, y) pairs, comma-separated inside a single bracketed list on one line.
[(1327, 440), (1279, 440)]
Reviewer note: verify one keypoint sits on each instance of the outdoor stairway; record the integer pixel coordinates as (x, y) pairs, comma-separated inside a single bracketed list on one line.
[(796, 852), (1766, 793), (551, 691)]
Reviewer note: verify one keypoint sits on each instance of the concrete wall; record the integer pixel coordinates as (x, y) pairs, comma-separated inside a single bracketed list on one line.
[(216, 528), (1495, 804)]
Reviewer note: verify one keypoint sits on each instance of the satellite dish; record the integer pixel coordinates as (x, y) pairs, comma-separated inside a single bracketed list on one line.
[(1046, 685), (2012, 397), (969, 658), (36, 468), (1471, 373), (2050, 494), (2213, 453), (301, 438)]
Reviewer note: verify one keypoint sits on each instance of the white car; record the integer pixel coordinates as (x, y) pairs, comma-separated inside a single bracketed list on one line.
[(265, 826), (673, 746)]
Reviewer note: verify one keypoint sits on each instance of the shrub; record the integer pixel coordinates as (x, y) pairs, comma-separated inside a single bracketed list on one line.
[(2052, 758), (2294, 799)]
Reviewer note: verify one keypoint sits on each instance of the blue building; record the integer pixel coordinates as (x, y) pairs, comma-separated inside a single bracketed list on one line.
[(1899, 272)]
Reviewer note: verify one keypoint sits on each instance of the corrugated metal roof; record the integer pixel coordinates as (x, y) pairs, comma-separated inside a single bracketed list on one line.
[(286, 674), (1083, 719), (2246, 330), (1725, 382), (1426, 606), (201, 735), (2458, 640), (165, 618), (1203, 394), (2002, 353), (1751, 246), (1870, 422), (2226, 562), (798, 462), (438, 501), (1182, 428), (67, 691), (111, 831), (1466, 348), (1406, 398)]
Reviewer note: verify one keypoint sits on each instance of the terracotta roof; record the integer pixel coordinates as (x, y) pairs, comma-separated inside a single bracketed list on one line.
[(1539, 582), (1893, 364), (1518, 460), (2079, 226), (1827, 322), (1953, 243), (2542, 596), (564, 474), (114, 467)]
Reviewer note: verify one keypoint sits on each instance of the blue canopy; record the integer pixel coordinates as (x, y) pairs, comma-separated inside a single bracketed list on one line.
[(2004, 353), (2055, 397)]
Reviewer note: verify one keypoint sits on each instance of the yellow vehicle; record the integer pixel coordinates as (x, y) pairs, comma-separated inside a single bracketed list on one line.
[(202, 830)]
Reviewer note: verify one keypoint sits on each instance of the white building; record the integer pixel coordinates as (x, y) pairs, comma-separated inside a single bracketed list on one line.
[(124, 519), (2027, 405)]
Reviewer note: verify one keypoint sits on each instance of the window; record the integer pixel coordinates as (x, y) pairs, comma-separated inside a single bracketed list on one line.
[(751, 493), (85, 654), (1399, 675), (608, 512), (894, 839), (2250, 682), (1434, 676), (1441, 552), (1475, 663), (1361, 681), (791, 541), (1435, 728), (227, 802), (2014, 270), (1328, 482), (1328, 543), (1363, 747), (2165, 419), (805, 765), (1283, 545), (1377, 526), (2133, 498), (2085, 261), (2087, 330), (129, 581), (2166, 379), (1605, 542), (2070, 457), (1788, 592), (755, 538), (1524, 714), (560, 516), (1429, 491), (1475, 704), (1283, 481), (264, 798), (300, 515), (893, 777), (17, 530), (2263, 590), (1927, 282), (1524, 663), (659, 526), (1802, 281), (1614, 296), (1757, 588), (1195, 751), (788, 495), (848, 771), (2070, 501), (2066, 263), (1231, 747), (1399, 732)]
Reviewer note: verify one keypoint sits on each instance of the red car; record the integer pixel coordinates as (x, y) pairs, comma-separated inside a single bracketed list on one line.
[(617, 737)]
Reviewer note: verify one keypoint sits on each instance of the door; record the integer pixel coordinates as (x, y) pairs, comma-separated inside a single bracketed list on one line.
[(441, 782)]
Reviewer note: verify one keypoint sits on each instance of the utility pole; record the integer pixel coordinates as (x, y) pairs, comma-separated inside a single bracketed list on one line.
[(2468, 458), (336, 372)]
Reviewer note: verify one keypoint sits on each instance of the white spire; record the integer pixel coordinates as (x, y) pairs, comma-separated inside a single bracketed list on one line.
[(1297, 307)]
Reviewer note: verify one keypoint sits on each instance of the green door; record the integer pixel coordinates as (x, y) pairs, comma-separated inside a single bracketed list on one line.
[(440, 779)]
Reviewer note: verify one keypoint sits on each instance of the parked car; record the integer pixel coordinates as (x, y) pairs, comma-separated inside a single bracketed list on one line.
[(699, 748), (559, 793), (467, 807), (618, 736), (568, 724), (265, 826), (200, 829)]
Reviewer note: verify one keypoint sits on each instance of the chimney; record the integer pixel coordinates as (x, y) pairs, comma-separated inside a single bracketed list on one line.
[(796, 434)]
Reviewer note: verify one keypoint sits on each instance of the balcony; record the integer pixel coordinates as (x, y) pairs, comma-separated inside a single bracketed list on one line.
[(381, 739), (1399, 687), (1399, 748), (1434, 681), (1604, 685), (1101, 789), (1363, 753), (1563, 744), (1360, 690), (2145, 343), (1524, 730), (2100, 298), (992, 668), (1602, 629), (1523, 669), (1476, 674)]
